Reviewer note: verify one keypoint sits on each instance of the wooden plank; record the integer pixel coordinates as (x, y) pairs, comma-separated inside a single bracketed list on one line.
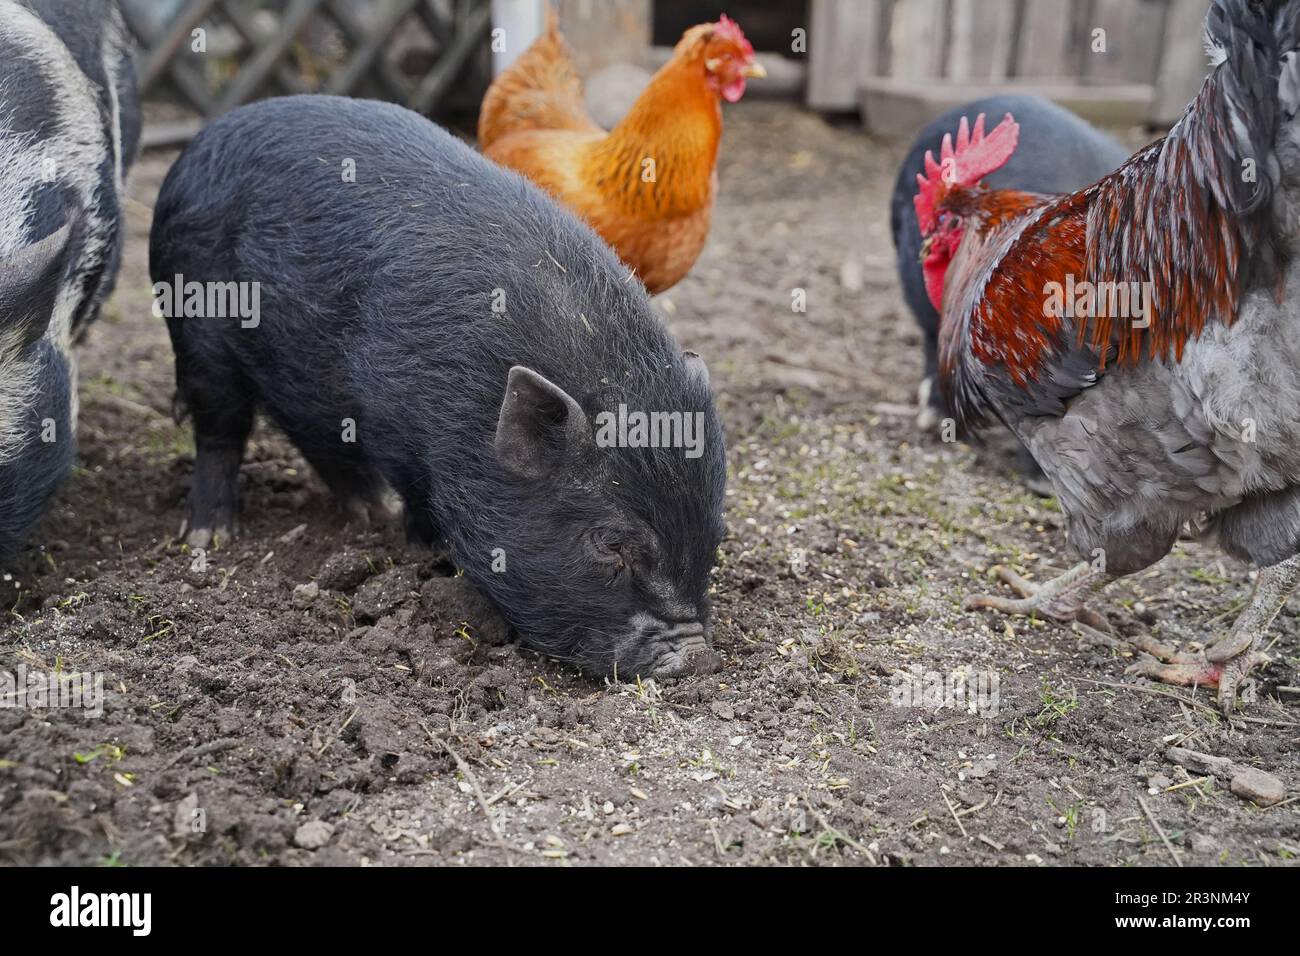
[(364, 55), (884, 51), (186, 78), (521, 23), (961, 36), (390, 77), (1134, 31), (241, 19), (1183, 66), (990, 41), (605, 32), (254, 73), (192, 84), (916, 40), (900, 108), (439, 20), (1083, 20), (176, 36), (1145, 50), (1115, 17), (476, 74), (452, 60), (170, 134), (843, 46), (1043, 40)]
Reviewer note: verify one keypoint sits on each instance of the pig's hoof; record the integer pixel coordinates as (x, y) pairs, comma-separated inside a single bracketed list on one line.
[(356, 515), (367, 515), (209, 539)]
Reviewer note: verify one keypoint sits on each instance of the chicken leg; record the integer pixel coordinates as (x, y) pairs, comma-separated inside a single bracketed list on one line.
[(1226, 663), (1061, 599)]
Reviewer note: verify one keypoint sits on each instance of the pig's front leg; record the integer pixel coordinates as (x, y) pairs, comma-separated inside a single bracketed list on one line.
[(223, 420), (421, 528), (214, 496)]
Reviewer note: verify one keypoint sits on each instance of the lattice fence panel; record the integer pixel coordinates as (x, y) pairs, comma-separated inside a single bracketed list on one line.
[(213, 55)]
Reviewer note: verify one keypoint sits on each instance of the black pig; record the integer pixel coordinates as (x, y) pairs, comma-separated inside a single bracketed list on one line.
[(69, 129), (427, 322)]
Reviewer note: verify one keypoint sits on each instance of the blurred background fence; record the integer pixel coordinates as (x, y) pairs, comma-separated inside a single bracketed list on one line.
[(1120, 62), (209, 56), (894, 62)]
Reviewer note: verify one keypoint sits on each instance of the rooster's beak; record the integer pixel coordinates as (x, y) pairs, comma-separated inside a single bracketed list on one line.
[(925, 248), (753, 70)]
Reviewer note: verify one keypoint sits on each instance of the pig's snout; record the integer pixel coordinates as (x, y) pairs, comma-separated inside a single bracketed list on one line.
[(703, 661), (690, 654)]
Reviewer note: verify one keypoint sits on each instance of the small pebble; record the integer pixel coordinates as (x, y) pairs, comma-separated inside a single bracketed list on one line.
[(305, 594), (313, 834), (1258, 786), (289, 537)]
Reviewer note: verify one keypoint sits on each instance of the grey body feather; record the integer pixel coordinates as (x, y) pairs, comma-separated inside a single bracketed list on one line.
[(1150, 448)]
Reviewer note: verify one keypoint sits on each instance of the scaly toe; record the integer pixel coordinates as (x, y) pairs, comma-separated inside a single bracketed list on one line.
[(1014, 581), (1099, 637), (1232, 645), (1186, 674), (1005, 605), (1095, 620), (975, 602), (1234, 672), (1163, 652)]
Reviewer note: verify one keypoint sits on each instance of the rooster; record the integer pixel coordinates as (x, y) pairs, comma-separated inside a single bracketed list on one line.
[(1068, 155), (1183, 407), (647, 186)]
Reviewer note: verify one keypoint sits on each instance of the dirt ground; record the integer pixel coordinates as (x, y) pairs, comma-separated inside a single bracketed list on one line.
[(382, 717)]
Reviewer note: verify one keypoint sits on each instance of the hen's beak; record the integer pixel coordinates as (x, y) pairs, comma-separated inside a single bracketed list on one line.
[(753, 70)]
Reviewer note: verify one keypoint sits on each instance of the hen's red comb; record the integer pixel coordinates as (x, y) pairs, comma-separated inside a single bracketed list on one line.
[(729, 29), (974, 157)]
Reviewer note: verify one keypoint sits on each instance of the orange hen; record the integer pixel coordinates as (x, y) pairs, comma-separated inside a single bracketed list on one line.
[(648, 185)]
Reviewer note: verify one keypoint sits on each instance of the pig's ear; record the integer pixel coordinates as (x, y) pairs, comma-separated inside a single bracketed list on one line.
[(540, 426), (29, 284), (696, 368)]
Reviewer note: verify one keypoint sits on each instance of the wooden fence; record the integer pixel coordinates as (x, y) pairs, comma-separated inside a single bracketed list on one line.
[(214, 55), (902, 62)]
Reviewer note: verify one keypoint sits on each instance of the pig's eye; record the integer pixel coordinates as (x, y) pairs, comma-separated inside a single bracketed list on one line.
[(613, 552)]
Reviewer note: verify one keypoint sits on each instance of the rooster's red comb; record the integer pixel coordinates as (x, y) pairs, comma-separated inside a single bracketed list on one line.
[(974, 157)]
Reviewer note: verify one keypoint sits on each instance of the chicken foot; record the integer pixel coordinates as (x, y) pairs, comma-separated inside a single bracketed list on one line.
[(1061, 599), (1227, 662)]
